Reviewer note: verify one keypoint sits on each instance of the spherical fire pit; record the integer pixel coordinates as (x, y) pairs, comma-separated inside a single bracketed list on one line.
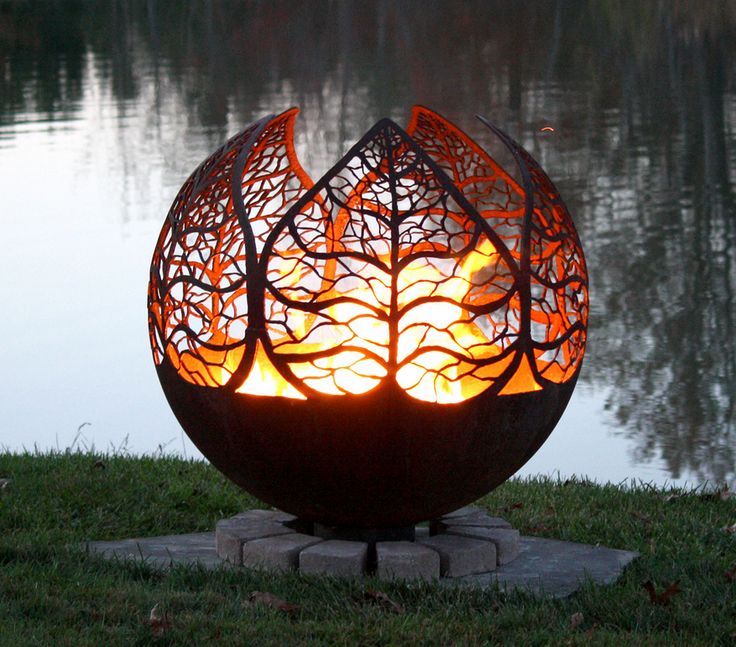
[(377, 348)]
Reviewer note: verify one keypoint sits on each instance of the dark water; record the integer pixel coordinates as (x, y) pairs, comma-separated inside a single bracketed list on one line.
[(105, 108)]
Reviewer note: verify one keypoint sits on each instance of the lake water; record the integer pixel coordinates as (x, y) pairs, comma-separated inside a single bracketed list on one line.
[(105, 108)]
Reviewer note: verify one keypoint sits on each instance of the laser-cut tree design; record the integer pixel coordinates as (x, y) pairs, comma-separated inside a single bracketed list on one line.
[(416, 258)]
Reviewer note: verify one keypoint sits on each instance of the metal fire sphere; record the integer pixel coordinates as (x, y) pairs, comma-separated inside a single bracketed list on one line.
[(381, 346)]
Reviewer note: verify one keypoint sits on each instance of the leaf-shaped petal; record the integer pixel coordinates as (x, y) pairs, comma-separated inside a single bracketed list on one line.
[(384, 269), (198, 293), (542, 238)]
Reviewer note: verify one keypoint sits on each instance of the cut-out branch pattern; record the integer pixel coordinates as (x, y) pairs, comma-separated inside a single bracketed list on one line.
[(416, 259)]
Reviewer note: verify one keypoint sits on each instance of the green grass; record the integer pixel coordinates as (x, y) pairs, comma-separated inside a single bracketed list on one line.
[(54, 594)]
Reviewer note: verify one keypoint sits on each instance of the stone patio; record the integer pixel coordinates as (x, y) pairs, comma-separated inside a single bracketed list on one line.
[(466, 548)]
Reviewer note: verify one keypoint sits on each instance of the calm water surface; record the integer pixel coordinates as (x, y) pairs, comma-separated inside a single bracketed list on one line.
[(105, 108)]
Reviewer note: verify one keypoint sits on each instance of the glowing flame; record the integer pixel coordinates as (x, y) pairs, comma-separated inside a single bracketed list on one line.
[(264, 379), (434, 375)]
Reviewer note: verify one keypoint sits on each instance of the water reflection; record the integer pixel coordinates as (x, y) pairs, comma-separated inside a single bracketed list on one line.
[(642, 97)]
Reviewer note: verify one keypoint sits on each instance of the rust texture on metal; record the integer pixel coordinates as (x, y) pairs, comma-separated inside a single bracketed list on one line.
[(378, 347)]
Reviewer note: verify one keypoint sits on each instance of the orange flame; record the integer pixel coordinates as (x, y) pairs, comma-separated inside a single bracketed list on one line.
[(433, 376)]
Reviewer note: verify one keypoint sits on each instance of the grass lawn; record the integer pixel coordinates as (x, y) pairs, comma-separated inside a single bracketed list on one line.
[(54, 594)]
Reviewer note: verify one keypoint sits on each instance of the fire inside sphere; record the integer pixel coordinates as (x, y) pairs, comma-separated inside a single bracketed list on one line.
[(381, 346)]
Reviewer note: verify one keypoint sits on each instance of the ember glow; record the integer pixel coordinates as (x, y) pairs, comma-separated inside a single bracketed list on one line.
[(442, 326)]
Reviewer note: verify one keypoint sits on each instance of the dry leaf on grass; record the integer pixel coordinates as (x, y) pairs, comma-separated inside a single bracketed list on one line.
[(729, 529), (538, 528), (4, 484), (272, 601), (159, 622), (664, 596), (386, 602), (591, 631), (576, 619)]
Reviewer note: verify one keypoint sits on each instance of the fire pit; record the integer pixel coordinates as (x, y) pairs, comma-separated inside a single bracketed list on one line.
[(377, 348)]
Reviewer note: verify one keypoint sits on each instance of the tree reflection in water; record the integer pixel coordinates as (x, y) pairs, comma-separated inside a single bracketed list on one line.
[(642, 97)]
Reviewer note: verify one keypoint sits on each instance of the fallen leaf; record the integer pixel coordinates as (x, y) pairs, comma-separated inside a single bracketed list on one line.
[(591, 631), (4, 484), (99, 465), (381, 598), (540, 528), (270, 600), (729, 529), (664, 596), (158, 622), (514, 506), (731, 575), (576, 619), (672, 497)]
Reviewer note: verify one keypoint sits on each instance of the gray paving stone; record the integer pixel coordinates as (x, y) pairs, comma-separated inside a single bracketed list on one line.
[(552, 568), (264, 515), (162, 552), (277, 553), (406, 560), (231, 534), (461, 555), (335, 557), (476, 519), (464, 512), (506, 539)]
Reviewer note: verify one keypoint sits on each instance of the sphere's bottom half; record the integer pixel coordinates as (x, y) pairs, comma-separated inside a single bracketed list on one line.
[(374, 460)]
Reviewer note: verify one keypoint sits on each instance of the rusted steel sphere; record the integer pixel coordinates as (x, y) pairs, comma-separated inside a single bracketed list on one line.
[(381, 346)]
